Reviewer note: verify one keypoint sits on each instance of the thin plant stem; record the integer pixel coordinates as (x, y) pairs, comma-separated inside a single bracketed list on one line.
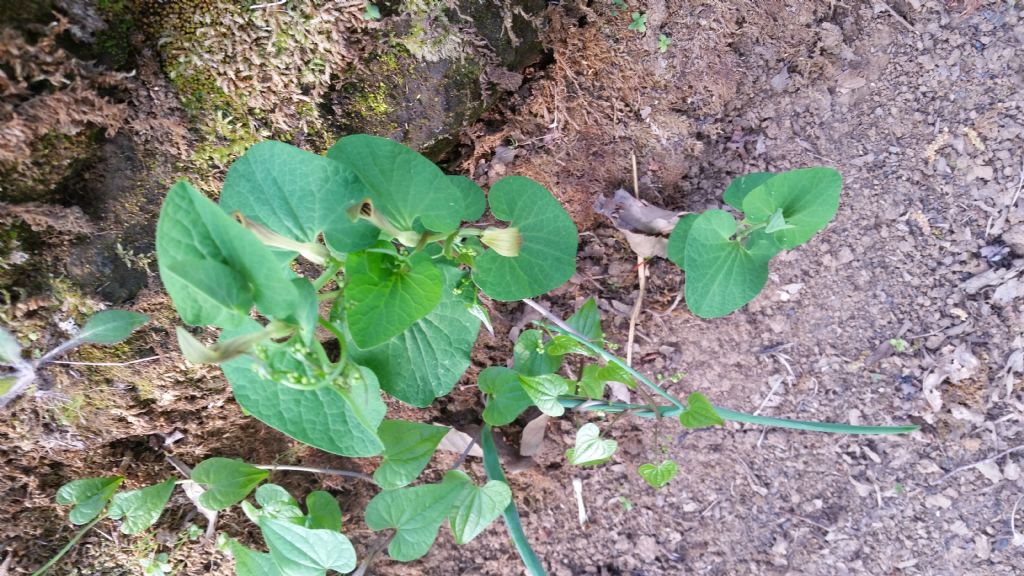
[(128, 363), (328, 274), (67, 547), (312, 470)]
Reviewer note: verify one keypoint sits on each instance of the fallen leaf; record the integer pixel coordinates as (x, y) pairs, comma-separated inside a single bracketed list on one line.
[(533, 435)]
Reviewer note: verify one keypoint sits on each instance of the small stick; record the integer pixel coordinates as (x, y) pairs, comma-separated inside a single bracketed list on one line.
[(1020, 186), (465, 453), (577, 488), (1013, 523), (960, 469), (267, 5), (129, 363), (327, 471)]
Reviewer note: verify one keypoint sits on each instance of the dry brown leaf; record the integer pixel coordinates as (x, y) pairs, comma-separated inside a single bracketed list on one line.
[(533, 436)]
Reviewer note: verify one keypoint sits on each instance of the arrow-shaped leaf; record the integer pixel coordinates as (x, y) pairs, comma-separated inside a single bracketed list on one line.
[(140, 508), (699, 413), (590, 448)]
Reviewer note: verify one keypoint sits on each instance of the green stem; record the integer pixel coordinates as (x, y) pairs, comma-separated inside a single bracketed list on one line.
[(328, 274), (342, 343), (511, 514), (328, 295), (67, 547), (742, 234)]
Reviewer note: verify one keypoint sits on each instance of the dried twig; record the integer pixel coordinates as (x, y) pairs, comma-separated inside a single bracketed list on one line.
[(129, 363), (312, 470), (960, 469)]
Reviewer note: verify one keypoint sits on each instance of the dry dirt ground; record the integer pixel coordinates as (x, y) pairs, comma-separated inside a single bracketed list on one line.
[(920, 105)]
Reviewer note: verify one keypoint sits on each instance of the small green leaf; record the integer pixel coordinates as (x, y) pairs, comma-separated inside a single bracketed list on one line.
[(531, 357), (111, 326), (301, 551), (415, 513), (371, 12), (591, 382), (699, 413), (561, 345), (276, 503), (591, 449), (777, 223), (141, 508), (587, 321), (386, 296), (507, 398), (545, 389), (477, 508), (211, 293), (658, 475), (808, 198), (324, 512), (677, 240), (88, 496), (227, 481), (408, 447), (721, 274), (474, 201), (252, 563), (741, 186), (614, 373), (10, 350), (639, 22), (547, 257)]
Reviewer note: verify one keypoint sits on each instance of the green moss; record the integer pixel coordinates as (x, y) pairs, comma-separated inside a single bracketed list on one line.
[(114, 44)]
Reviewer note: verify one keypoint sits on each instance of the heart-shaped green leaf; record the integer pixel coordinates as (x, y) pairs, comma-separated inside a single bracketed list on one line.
[(477, 508), (227, 481), (110, 326), (408, 447), (742, 185), (385, 295), (721, 274), (298, 194), (324, 512), (191, 227), (612, 372), (531, 357), (88, 496), (140, 508), (427, 359), (212, 293), (474, 201), (807, 197), (276, 503), (415, 513), (699, 413), (591, 382), (561, 345), (252, 563), (405, 187), (545, 389), (658, 475), (590, 448), (547, 256), (506, 397), (302, 551), (677, 240), (587, 321)]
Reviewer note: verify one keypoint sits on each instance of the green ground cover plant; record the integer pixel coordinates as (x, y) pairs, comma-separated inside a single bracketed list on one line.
[(334, 279)]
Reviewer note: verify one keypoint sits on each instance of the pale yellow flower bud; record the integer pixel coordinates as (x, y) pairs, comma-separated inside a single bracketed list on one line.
[(504, 241)]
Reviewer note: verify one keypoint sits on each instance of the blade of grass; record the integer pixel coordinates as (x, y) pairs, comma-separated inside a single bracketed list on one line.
[(511, 514)]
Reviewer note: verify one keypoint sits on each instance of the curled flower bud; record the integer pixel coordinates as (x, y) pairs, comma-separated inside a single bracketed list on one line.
[(366, 211), (504, 241)]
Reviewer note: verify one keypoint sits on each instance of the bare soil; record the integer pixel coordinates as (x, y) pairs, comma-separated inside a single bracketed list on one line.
[(920, 105)]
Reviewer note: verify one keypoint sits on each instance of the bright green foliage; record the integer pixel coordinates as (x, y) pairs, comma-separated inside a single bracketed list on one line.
[(547, 257), (663, 43), (726, 262), (252, 563), (590, 448), (227, 481), (658, 475), (324, 512), (415, 513), (89, 496), (474, 201), (591, 382), (699, 413), (140, 508), (587, 321), (274, 502), (545, 389), (110, 326), (386, 295), (531, 357), (506, 399), (408, 447), (639, 22), (10, 350), (301, 551), (478, 507)]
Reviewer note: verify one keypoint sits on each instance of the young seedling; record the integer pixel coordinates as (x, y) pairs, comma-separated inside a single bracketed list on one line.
[(663, 43), (639, 22)]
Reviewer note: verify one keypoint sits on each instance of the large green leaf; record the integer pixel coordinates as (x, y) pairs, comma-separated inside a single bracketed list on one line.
[(323, 511), (298, 194), (547, 257), (406, 188), (415, 513), (721, 274), (252, 563), (301, 551), (340, 417), (477, 507), (531, 357), (545, 389), (742, 185), (212, 293), (427, 359), (227, 481), (807, 197), (191, 227), (677, 240), (590, 448), (408, 447), (140, 508), (592, 382), (110, 326), (385, 295), (88, 496), (474, 202), (506, 397)]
